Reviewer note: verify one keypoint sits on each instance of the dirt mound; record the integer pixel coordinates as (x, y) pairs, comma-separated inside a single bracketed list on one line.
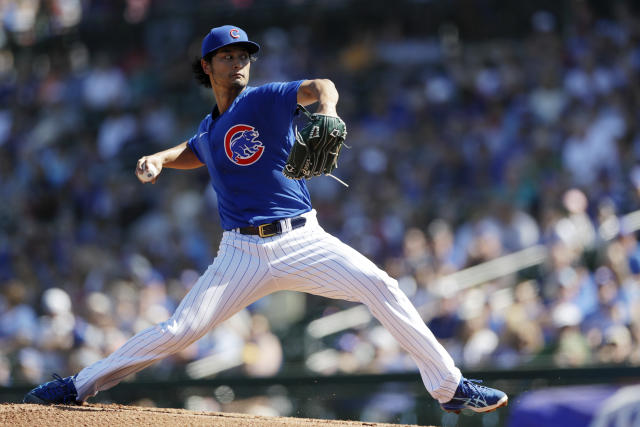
[(119, 415)]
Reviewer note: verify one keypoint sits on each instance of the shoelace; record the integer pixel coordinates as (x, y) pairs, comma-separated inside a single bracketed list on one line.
[(474, 382), (53, 391), (472, 386)]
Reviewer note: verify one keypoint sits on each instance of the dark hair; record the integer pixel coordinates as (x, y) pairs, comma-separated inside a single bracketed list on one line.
[(201, 76)]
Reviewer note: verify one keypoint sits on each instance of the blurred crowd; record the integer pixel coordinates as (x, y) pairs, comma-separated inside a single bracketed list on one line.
[(461, 152)]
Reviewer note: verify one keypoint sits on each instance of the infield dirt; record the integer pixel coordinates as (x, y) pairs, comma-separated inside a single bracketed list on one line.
[(91, 415)]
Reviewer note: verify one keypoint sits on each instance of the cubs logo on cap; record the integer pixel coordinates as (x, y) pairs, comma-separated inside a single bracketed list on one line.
[(223, 36)]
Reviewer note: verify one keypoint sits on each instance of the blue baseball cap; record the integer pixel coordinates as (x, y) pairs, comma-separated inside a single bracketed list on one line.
[(223, 36)]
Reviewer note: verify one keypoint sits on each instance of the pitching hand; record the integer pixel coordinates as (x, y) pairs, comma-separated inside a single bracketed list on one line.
[(148, 168)]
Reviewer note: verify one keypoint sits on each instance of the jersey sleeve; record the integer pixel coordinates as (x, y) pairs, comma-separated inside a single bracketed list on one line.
[(192, 143), (286, 96), (196, 141)]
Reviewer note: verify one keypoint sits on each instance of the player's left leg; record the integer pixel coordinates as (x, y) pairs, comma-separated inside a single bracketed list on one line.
[(313, 261)]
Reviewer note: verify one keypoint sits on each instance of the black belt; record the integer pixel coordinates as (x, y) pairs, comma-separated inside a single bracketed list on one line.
[(272, 228)]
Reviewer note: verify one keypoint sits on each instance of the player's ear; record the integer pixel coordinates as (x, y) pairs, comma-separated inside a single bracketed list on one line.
[(206, 66)]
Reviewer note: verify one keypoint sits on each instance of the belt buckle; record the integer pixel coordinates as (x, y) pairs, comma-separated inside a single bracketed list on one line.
[(262, 233)]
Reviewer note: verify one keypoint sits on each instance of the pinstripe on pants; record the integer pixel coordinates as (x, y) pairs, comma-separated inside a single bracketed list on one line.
[(249, 267)]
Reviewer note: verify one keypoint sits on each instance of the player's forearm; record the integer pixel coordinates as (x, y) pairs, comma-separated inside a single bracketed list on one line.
[(179, 157), (322, 91), (327, 97)]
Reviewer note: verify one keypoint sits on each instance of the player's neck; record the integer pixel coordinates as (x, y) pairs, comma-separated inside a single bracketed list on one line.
[(226, 96)]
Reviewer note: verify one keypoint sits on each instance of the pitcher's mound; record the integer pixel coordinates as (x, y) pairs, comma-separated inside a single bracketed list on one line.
[(130, 416)]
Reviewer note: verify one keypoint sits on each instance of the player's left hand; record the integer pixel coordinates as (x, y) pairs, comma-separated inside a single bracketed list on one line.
[(317, 147)]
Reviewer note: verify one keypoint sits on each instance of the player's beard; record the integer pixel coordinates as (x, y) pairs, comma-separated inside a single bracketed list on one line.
[(239, 84)]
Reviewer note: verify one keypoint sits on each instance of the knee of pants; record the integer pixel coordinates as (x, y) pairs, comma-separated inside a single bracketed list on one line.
[(376, 289), (181, 332), (390, 289), (386, 281)]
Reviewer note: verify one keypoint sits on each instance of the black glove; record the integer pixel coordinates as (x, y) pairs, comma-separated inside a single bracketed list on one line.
[(317, 147)]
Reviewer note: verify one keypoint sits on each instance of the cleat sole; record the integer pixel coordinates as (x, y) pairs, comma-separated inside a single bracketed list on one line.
[(29, 398), (502, 402)]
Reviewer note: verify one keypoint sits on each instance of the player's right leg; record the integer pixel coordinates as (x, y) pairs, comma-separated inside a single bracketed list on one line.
[(237, 277)]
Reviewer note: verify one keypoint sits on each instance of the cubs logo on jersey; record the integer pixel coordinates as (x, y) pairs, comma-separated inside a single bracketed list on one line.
[(242, 146)]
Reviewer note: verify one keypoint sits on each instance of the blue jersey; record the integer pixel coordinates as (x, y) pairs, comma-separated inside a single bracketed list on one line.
[(245, 149)]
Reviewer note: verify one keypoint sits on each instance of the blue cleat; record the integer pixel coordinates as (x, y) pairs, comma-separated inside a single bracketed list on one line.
[(60, 390), (478, 398)]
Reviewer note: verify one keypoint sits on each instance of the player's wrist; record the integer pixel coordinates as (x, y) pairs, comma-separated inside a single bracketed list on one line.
[(162, 158), (328, 109)]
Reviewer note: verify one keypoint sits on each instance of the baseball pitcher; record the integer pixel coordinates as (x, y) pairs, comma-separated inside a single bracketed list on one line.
[(259, 163)]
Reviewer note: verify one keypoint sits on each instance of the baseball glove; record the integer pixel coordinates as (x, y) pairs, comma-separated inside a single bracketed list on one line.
[(317, 147)]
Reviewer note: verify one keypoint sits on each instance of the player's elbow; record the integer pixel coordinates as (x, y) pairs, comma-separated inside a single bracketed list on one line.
[(325, 83), (325, 87), (317, 90)]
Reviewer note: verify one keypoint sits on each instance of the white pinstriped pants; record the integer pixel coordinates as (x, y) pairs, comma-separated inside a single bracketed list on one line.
[(307, 259)]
